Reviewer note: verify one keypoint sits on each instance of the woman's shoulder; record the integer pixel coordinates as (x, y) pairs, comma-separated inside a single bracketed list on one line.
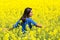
[(28, 18)]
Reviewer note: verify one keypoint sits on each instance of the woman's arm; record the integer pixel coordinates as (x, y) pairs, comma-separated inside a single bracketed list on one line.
[(14, 26), (10, 29), (34, 23)]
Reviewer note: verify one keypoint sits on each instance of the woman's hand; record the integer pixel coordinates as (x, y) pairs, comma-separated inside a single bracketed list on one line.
[(39, 25), (5, 29)]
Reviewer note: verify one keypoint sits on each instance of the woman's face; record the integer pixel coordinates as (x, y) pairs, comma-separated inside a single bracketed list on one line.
[(30, 14)]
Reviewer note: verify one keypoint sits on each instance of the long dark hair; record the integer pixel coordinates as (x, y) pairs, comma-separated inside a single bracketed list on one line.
[(26, 14)]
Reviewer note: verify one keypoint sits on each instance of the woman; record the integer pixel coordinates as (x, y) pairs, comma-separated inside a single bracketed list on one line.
[(26, 20)]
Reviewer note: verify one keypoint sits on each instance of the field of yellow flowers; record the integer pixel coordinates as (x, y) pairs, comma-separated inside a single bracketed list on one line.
[(45, 12)]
